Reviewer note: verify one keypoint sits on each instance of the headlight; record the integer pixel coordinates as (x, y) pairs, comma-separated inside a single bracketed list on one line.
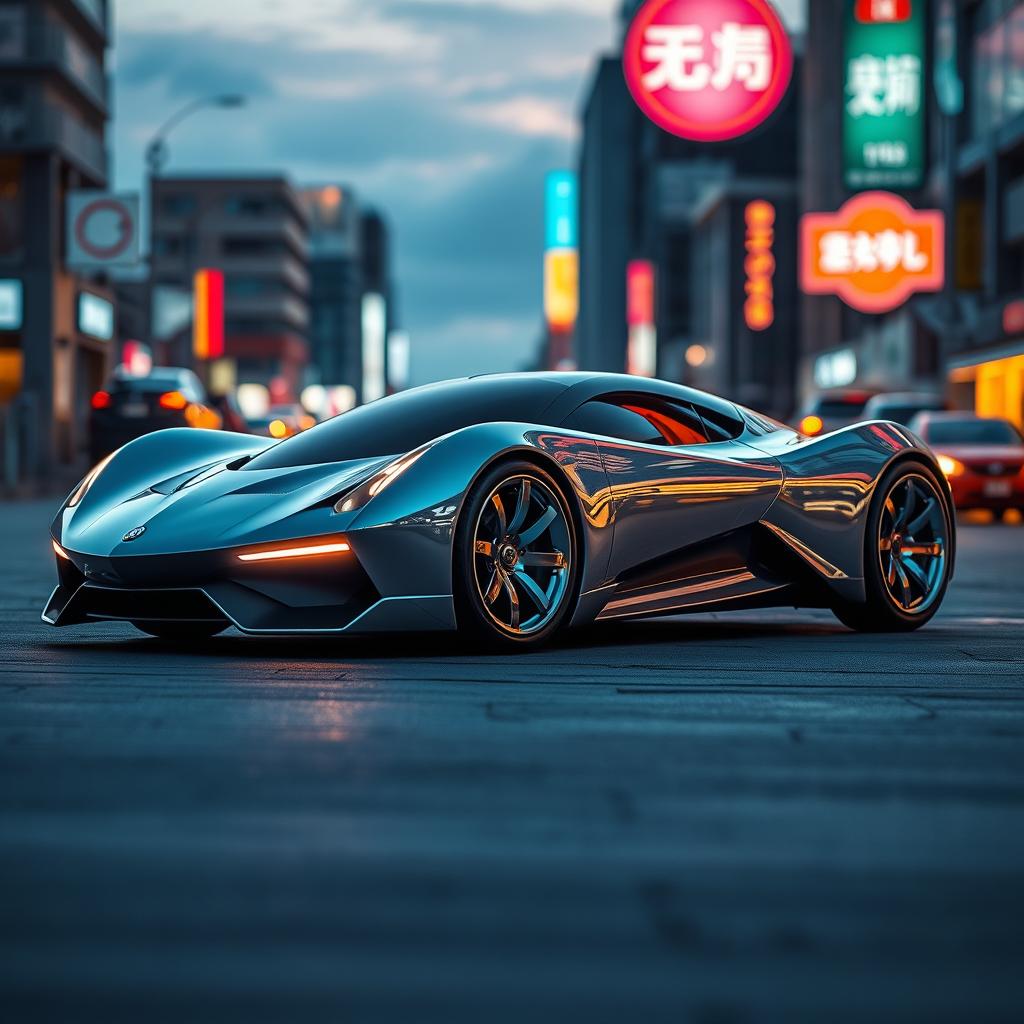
[(90, 479), (381, 480), (950, 466)]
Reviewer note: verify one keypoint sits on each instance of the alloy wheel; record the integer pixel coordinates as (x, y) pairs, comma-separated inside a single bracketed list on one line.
[(522, 550), (912, 544)]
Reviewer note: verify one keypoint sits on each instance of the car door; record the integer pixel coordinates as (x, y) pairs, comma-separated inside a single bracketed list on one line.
[(675, 478)]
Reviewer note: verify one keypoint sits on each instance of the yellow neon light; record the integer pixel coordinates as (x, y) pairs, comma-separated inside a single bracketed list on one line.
[(309, 549)]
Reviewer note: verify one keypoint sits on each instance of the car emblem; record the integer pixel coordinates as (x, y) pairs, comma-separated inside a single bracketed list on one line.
[(996, 469), (133, 534)]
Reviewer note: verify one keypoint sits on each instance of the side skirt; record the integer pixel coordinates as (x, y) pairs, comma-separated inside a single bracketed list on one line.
[(747, 568)]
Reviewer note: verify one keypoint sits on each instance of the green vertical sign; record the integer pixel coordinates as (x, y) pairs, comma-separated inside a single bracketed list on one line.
[(884, 101)]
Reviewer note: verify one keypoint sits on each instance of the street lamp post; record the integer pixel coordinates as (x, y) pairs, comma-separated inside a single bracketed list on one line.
[(156, 159), (156, 151)]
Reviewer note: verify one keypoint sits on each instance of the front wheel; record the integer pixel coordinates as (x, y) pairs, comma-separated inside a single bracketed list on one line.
[(515, 564), (908, 553), (181, 631)]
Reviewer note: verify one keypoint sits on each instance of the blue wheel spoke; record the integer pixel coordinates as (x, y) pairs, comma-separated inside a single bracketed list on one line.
[(532, 590), (546, 519), (522, 507)]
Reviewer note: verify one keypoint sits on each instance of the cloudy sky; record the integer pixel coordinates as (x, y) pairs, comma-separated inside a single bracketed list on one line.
[(444, 113)]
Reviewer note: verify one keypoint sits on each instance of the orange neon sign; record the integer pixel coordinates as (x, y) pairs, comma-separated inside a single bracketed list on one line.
[(874, 253), (208, 314), (561, 288), (759, 307)]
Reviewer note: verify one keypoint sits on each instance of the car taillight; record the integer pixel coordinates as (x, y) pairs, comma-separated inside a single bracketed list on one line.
[(173, 400), (101, 400), (811, 425)]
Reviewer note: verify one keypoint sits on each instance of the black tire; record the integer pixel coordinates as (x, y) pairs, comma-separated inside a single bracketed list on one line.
[(181, 631), (470, 568), (881, 612)]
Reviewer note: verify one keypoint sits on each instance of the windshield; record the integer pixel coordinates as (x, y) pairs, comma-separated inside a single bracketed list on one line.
[(838, 408), (899, 413), (152, 382), (973, 432), (396, 425)]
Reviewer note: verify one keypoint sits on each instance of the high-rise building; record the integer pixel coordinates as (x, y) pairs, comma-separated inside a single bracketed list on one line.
[(379, 306), (983, 325), (256, 232), (56, 327), (646, 200), (336, 275), (897, 349)]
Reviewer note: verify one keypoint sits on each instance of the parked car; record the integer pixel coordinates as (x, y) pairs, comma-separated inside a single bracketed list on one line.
[(983, 458), (831, 410), (231, 415), (903, 406), (282, 421), (130, 406)]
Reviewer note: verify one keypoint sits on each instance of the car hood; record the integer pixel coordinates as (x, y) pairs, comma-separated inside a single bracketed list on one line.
[(207, 508)]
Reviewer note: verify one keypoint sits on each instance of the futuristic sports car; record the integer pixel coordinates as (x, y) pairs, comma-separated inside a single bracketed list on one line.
[(507, 507)]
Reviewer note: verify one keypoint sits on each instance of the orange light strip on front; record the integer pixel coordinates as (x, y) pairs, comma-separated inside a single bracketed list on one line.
[(303, 552), (59, 551)]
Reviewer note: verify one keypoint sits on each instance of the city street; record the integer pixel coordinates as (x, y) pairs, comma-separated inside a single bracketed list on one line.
[(732, 818)]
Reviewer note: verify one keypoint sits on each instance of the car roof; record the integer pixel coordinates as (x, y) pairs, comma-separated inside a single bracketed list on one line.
[(906, 396), (960, 415), (582, 385)]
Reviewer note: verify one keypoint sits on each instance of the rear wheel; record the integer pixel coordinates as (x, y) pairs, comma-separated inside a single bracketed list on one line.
[(183, 631), (515, 567), (908, 553)]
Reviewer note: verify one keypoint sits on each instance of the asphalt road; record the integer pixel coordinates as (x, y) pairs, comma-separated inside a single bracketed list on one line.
[(717, 819)]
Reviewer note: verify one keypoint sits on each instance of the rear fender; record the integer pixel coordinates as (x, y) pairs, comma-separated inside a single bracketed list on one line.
[(822, 510)]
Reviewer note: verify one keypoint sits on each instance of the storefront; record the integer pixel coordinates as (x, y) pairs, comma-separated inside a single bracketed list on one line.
[(991, 383)]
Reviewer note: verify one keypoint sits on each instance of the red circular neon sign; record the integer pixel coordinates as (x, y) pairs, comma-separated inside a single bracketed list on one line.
[(124, 227), (707, 70)]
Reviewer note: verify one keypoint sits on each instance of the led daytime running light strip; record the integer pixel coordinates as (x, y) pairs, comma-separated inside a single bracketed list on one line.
[(301, 552)]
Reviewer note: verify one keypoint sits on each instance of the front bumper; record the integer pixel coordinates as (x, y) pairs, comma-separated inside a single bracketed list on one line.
[(311, 596)]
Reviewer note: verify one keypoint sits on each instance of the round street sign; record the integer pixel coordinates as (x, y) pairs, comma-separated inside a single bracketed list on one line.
[(104, 228), (707, 70)]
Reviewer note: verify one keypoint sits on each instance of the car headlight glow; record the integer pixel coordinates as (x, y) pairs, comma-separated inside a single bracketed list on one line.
[(88, 481), (380, 481), (950, 466)]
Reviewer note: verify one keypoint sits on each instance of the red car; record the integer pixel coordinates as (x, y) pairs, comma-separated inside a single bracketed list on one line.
[(983, 459)]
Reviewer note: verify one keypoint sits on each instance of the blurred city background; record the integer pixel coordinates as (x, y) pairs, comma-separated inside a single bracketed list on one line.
[(296, 208), (254, 214)]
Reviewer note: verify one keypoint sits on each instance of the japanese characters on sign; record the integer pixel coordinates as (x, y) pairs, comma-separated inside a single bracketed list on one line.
[(884, 114), (874, 253), (759, 264), (707, 70)]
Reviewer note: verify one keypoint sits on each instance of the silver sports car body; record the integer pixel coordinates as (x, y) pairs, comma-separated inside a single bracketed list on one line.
[(506, 506)]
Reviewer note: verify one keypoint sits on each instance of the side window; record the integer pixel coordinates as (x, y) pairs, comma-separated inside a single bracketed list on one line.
[(639, 418), (718, 426), (610, 420)]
